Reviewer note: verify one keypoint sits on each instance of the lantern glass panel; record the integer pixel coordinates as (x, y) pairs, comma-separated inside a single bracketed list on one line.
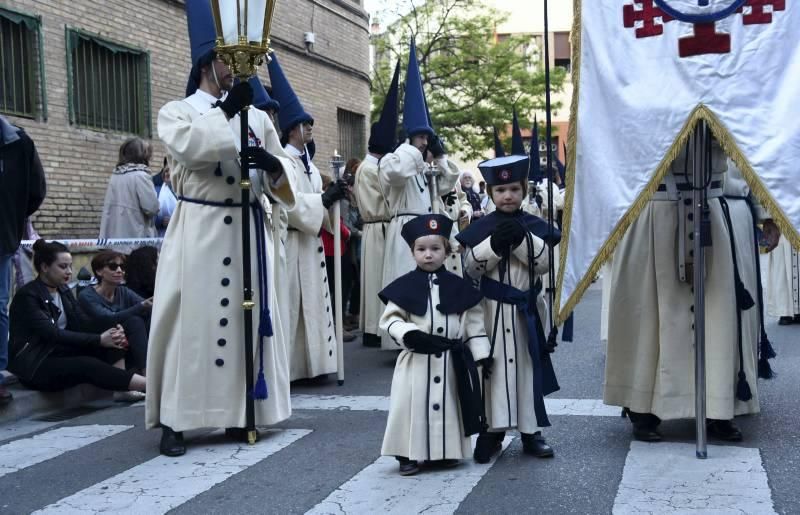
[(229, 19), (256, 12)]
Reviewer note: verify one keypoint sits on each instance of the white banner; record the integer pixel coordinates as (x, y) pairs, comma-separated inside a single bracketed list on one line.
[(646, 71)]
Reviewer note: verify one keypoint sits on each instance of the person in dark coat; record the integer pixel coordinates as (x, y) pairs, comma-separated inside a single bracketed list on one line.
[(51, 348), (22, 190)]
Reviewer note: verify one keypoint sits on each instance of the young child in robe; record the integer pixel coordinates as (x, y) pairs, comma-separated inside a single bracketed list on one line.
[(435, 316), (507, 251)]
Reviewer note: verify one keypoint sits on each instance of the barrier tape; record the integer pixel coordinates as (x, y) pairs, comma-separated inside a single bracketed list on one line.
[(99, 242)]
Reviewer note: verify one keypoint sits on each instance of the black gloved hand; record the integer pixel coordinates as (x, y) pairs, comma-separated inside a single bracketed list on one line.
[(239, 97), (517, 233), (414, 339), (436, 146), (502, 237), (450, 198), (258, 157), (486, 365), (336, 191)]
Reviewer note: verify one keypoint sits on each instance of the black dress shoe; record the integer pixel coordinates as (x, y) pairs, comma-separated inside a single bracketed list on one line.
[(646, 433), (408, 467), (239, 434), (371, 340), (487, 445), (645, 426), (785, 320), (171, 443), (5, 395), (724, 430), (535, 445)]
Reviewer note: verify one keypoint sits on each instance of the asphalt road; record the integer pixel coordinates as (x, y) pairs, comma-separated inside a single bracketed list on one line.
[(331, 461)]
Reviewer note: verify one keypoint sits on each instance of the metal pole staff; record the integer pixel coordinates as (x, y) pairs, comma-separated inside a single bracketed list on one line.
[(699, 144), (433, 186), (336, 167), (247, 282), (551, 280)]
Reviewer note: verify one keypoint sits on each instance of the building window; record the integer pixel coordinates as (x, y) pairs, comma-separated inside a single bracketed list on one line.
[(20, 64), (351, 134), (109, 85), (562, 49)]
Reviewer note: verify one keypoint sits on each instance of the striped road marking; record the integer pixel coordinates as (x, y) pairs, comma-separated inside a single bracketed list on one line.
[(25, 452), (161, 484), (379, 488), (578, 407), (666, 478)]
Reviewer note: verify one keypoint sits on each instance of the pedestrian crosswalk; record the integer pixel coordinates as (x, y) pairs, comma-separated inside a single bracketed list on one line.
[(656, 478)]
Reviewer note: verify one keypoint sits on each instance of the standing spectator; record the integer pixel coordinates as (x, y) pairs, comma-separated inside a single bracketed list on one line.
[(167, 200), (354, 222), (131, 203), (473, 198), (140, 274), (52, 347), (22, 190)]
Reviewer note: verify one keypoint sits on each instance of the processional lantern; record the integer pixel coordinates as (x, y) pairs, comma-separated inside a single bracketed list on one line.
[(243, 30)]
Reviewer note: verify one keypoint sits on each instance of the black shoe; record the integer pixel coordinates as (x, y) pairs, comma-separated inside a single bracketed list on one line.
[(645, 426), (371, 340), (448, 463), (786, 320), (646, 434), (724, 430), (535, 445), (488, 445), (796, 321), (171, 443), (5, 396), (239, 434), (408, 467)]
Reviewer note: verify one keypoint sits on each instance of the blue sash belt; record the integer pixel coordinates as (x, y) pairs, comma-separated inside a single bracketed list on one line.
[(544, 377)]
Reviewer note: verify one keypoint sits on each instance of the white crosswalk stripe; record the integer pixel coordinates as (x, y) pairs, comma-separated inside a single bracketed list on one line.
[(26, 452), (379, 488), (575, 407), (163, 483), (666, 478)]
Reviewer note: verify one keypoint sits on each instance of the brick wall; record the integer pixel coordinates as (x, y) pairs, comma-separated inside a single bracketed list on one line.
[(78, 161)]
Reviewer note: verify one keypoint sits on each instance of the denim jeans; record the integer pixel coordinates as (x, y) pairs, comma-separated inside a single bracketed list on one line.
[(6, 266)]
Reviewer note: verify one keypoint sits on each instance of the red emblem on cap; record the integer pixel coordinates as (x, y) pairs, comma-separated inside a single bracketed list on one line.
[(433, 225), (505, 175)]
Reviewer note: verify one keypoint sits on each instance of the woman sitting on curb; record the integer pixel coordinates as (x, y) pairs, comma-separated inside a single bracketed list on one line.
[(51, 347)]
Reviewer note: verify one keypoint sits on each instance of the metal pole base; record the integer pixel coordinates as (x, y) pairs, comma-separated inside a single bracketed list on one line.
[(340, 382), (701, 455), (252, 437)]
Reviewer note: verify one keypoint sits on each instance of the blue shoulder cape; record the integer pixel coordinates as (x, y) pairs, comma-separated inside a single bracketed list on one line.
[(411, 292)]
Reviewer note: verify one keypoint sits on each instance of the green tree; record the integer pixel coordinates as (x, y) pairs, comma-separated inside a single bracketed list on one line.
[(472, 78)]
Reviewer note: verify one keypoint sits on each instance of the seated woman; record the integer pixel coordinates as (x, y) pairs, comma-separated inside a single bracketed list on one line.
[(51, 346), (110, 304)]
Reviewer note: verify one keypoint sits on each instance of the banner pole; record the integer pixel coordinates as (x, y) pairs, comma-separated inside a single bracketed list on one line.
[(699, 143)]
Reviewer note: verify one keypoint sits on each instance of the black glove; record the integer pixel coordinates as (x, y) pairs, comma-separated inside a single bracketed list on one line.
[(502, 237), (517, 234), (450, 198), (414, 339), (239, 97), (436, 146), (486, 365), (258, 157), (336, 191)]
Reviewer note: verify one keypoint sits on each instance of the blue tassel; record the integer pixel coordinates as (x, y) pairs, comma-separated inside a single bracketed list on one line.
[(767, 350), (743, 392), (764, 369), (260, 389), (265, 324), (567, 329)]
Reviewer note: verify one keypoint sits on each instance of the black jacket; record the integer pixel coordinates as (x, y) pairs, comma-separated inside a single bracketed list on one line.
[(34, 331), (22, 185)]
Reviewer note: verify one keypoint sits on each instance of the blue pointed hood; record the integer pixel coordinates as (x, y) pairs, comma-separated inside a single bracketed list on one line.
[(416, 118), (499, 151), (383, 133), (535, 173), (261, 99), (292, 112), (517, 146), (202, 37)]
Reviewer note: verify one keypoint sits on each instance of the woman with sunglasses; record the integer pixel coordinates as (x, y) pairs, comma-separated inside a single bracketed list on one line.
[(52, 346), (111, 304)]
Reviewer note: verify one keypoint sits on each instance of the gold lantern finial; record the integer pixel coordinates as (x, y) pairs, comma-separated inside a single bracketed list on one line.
[(243, 33)]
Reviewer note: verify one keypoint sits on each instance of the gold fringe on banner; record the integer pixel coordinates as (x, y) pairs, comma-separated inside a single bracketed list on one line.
[(701, 112)]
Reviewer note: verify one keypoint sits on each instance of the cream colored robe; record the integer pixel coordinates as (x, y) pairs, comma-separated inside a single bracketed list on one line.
[(650, 357), (424, 420), (313, 337), (403, 171), (375, 213), (195, 359), (783, 283), (453, 260), (509, 392)]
